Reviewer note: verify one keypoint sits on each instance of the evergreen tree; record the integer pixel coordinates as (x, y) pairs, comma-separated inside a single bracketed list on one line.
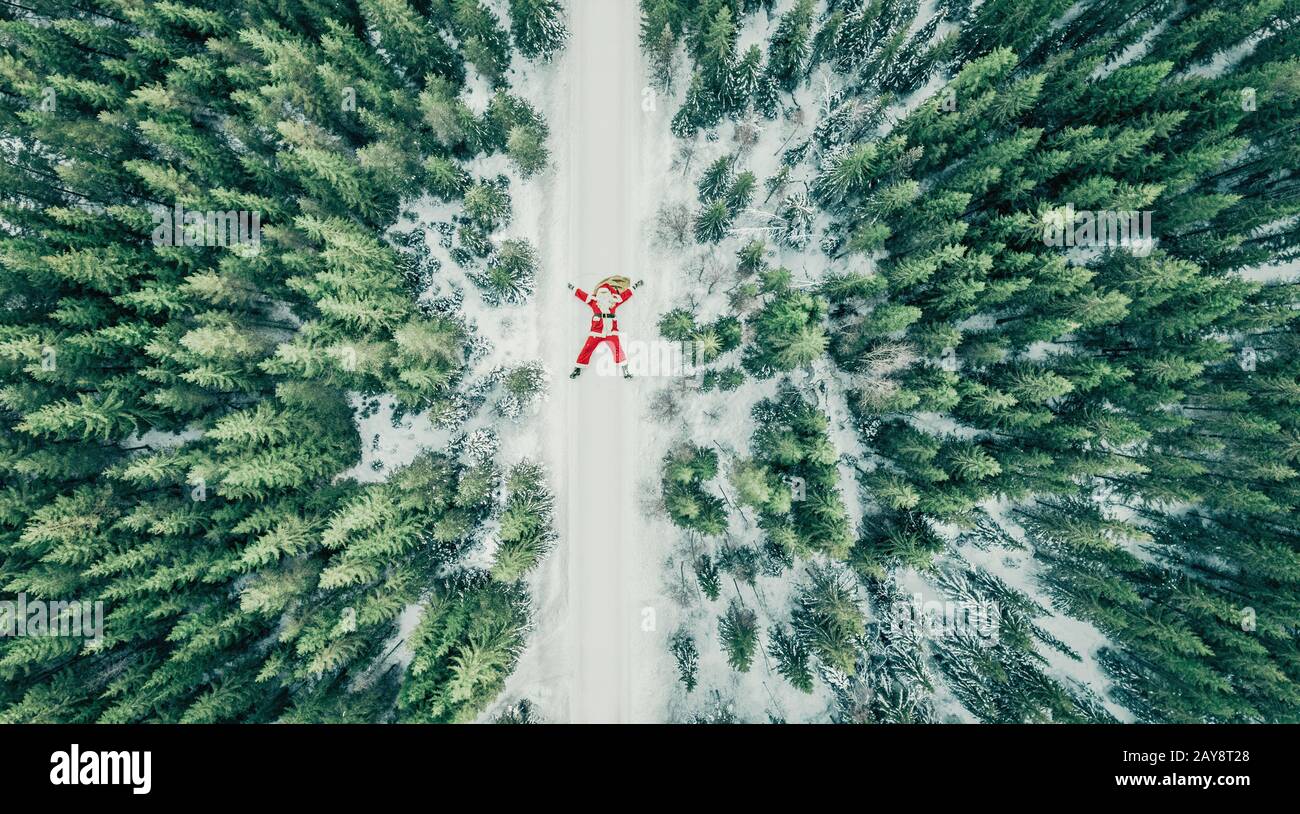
[(178, 401), (789, 45), (682, 646), (738, 631), (538, 27), (791, 658)]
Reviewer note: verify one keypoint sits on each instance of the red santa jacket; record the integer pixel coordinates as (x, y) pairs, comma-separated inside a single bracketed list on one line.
[(603, 323)]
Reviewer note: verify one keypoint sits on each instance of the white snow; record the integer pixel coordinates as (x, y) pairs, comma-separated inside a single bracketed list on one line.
[(621, 581), (575, 666)]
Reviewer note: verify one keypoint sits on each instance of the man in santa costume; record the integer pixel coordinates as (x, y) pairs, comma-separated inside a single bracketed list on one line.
[(610, 293)]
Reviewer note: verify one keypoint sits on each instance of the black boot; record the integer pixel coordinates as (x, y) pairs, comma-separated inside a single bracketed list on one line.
[(627, 374), (577, 371)]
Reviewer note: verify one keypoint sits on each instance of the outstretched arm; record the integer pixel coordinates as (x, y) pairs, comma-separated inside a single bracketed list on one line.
[(627, 293)]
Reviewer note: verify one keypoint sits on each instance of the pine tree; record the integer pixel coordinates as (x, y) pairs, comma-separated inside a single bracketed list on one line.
[(538, 27), (682, 646), (246, 576), (511, 274), (708, 576), (827, 617), (791, 658), (789, 332), (738, 631), (789, 45)]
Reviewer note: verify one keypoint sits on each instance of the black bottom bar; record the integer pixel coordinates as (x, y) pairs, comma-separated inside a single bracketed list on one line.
[(560, 763)]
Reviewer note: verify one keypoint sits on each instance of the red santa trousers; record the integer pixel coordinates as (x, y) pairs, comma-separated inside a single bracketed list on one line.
[(584, 357)]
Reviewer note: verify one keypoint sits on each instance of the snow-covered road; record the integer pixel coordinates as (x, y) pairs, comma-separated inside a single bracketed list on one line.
[(601, 424), (587, 658)]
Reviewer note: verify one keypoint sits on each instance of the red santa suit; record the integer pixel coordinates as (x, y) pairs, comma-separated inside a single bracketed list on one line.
[(604, 325)]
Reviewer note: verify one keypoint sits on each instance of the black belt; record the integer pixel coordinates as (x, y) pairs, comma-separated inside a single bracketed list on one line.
[(608, 316)]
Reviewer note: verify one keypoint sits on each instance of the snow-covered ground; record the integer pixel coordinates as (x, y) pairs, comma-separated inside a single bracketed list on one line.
[(598, 433), (578, 663), (620, 582), (605, 602)]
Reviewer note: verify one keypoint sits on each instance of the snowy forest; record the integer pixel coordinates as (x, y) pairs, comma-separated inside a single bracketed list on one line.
[(180, 434), (943, 405), (993, 304)]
